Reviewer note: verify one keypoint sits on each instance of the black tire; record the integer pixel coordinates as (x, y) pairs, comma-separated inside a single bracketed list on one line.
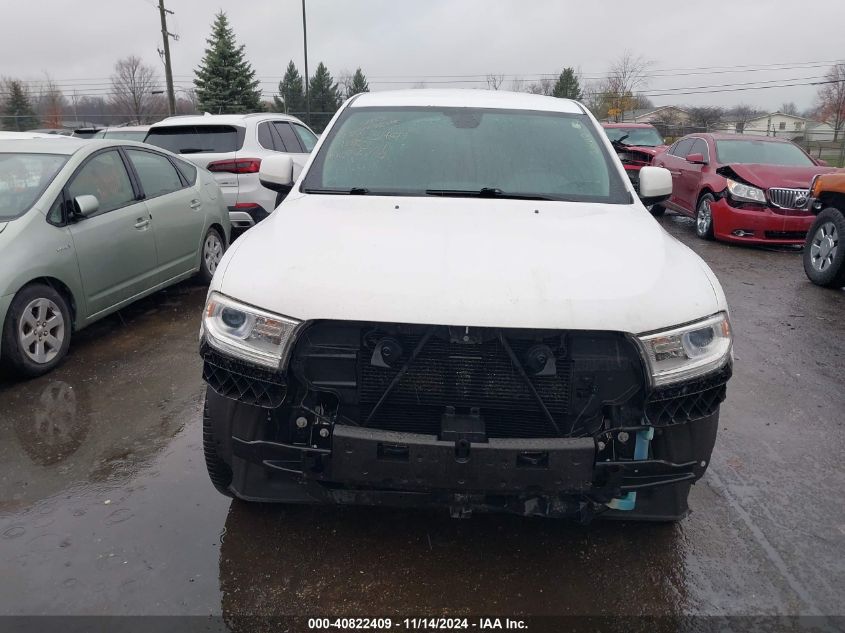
[(826, 267), (14, 356), (218, 471), (656, 210), (209, 261), (704, 229)]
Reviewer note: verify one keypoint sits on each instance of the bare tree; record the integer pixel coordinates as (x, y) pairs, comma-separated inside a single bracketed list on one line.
[(627, 75), (546, 86), (706, 116), (831, 99), (789, 108), (133, 83), (344, 81), (494, 82), (517, 84), (740, 115), (51, 103)]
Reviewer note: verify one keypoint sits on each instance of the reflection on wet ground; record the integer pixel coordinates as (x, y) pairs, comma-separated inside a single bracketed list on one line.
[(105, 506)]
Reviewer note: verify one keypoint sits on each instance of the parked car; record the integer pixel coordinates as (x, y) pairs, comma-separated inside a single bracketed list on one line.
[(232, 146), (744, 189), (636, 144), (85, 132), (824, 255), (53, 130), (87, 227), (462, 303), (124, 133), (19, 136)]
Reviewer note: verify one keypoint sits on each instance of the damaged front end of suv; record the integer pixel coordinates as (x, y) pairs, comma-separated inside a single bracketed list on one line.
[(536, 422)]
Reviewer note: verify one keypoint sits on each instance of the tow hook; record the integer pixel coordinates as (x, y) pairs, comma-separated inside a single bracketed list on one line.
[(628, 502)]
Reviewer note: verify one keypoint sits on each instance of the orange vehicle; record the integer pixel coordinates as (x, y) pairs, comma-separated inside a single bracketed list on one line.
[(824, 252)]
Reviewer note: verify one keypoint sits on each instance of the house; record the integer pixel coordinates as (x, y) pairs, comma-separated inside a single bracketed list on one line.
[(672, 115), (777, 124)]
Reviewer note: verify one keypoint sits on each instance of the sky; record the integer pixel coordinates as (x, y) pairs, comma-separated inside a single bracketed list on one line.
[(448, 43)]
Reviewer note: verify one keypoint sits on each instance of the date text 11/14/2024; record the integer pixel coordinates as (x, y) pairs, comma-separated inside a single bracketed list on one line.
[(432, 624)]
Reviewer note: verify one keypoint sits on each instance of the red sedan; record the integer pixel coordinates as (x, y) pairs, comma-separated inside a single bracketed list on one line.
[(636, 144), (751, 189)]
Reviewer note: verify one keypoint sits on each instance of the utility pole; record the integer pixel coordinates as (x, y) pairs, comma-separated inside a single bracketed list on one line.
[(168, 71), (307, 80)]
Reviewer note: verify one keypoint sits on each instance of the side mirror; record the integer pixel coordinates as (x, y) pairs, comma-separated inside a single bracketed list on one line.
[(86, 205), (276, 173), (696, 159), (821, 163), (655, 185)]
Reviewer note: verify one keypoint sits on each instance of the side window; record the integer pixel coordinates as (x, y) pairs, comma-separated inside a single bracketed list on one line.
[(55, 215), (290, 139), (700, 147), (188, 171), (157, 174), (265, 136), (683, 148), (104, 176), (306, 136)]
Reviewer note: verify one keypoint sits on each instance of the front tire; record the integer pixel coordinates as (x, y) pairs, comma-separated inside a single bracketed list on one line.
[(218, 471), (36, 334), (704, 217), (824, 255), (213, 248), (656, 210)]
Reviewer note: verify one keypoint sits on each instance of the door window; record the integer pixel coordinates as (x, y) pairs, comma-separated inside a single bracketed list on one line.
[(104, 176), (265, 137), (157, 174), (683, 148), (700, 147), (290, 140), (306, 136)]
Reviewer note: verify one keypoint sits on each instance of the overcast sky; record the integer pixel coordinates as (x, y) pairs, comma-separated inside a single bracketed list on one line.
[(78, 41)]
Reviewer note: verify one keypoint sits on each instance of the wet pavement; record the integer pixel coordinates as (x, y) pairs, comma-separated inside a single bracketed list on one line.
[(106, 508)]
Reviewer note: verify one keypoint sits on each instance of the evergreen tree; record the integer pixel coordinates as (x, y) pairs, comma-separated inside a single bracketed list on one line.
[(291, 97), (225, 81), (18, 111), (567, 86), (325, 95), (359, 84)]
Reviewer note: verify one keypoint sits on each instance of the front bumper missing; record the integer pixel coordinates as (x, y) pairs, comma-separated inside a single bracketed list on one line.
[(375, 463)]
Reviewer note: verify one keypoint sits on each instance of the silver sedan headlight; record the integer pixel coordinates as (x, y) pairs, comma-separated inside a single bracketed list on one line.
[(246, 332), (688, 351)]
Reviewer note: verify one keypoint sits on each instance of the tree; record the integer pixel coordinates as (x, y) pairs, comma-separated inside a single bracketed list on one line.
[(789, 108), (627, 75), (18, 113), (51, 103), (359, 84), (831, 99), (705, 116), (545, 86), (325, 95), (740, 115), (132, 86), (567, 85), (291, 97), (225, 80), (494, 82)]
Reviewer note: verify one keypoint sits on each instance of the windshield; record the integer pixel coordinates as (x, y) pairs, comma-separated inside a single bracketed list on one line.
[(23, 178), (197, 139), (761, 152), (642, 136), (123, 135), (462, 151)]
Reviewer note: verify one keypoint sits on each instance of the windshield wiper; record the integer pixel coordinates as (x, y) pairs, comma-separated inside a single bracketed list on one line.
[(484, 192), (193, 150), (354, 191)]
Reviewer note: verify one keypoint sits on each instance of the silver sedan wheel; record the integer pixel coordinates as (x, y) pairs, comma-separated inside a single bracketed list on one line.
[(41, 330), (823, 247), (212, 251), (703, 217)]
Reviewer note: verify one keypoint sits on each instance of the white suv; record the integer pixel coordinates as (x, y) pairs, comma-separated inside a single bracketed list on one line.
[(463, 303), (232, 146)]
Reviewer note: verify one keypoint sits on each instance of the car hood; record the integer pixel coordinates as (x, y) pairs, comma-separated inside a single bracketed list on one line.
[(483, 263), (766, 176), (644, 149)]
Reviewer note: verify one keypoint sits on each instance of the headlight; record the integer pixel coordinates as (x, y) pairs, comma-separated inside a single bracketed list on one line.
[(688, 351), (745, 192), (247, 333)]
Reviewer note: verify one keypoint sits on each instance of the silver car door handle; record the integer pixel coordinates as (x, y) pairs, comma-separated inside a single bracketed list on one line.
[(196, 204), (142, 223)]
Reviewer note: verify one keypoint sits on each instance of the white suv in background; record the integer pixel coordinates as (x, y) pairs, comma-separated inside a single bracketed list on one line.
[(231, 146)]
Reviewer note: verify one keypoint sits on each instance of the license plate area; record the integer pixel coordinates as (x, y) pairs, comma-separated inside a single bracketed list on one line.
[(409, 461)]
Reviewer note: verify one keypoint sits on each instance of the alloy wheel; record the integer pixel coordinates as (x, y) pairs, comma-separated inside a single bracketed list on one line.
[(703, 217), (41, 330), (823, 247), (212, 251)]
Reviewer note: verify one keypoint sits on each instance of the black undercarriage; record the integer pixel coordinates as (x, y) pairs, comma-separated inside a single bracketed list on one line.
[(534, 421)]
